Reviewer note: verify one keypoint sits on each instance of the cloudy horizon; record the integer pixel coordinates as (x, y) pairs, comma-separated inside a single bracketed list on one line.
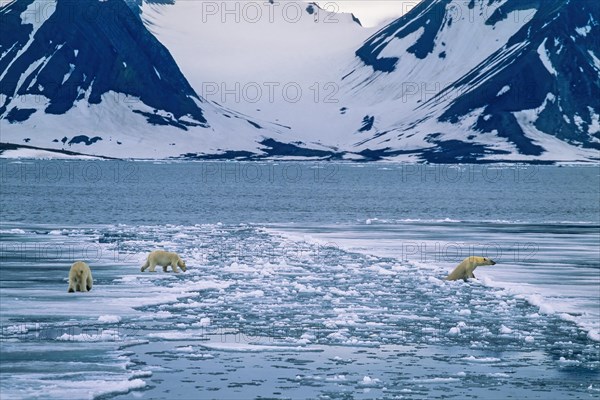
[(371, 13)]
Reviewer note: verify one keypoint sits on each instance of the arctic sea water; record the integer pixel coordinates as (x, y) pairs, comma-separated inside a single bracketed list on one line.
[(305, 280)]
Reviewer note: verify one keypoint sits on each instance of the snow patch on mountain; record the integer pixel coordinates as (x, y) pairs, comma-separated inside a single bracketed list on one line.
[(277, 61), (545, 58)]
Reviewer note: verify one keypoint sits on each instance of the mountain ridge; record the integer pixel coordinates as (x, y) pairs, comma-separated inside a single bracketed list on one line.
[(503, 89), (449, 82)]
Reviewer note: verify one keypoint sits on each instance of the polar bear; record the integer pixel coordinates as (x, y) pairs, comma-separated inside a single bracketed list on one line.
[(465, 269), (80, 277), (164, 259)]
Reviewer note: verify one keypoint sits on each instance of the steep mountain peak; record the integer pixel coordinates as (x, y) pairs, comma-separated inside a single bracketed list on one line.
[(545, 80), (501, 79), (442, 36), (89, 76), (80, 51)]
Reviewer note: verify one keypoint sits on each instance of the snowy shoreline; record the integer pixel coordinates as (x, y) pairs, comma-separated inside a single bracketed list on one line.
[(10, 151)]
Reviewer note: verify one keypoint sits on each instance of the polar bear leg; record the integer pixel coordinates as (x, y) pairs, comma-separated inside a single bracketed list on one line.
[(89, 282), (146, 264), (152, 266), (165, 267), (71, 289), (174, 266)]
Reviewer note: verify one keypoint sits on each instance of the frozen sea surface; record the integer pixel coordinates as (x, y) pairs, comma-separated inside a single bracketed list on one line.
[(297, 289), (258, 314), (554, 266)]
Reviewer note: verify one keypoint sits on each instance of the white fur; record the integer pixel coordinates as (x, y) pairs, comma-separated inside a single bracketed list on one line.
[(164, 259), (80, 277), (465, 269)]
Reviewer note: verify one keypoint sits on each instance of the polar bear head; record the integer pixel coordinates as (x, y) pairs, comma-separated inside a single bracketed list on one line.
[(181, 264), (479, 261)]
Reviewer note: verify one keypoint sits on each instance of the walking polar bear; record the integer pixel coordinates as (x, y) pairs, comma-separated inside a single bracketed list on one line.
[(80, 277), (465, 269), (164, 259)]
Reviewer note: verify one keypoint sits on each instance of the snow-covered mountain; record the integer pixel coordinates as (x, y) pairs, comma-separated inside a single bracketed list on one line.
[(450, 81), (482, 80), (87, 76), (81, 51), (280, 61)]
